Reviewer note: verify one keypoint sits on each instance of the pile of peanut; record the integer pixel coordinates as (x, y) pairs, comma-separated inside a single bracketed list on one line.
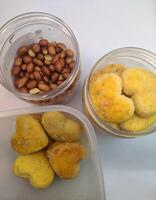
[(42, 66)]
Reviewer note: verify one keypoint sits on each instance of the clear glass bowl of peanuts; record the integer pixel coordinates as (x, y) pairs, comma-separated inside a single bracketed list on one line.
[(39, 58), (120, 93)]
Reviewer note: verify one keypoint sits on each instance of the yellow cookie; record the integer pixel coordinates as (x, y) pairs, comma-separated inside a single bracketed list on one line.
[(36, 168)]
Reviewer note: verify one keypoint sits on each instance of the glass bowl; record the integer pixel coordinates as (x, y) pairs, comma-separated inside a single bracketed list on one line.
[(30, 28), (130, 57)]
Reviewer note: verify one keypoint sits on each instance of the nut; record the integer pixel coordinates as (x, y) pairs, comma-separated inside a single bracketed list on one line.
[(23, 90), (55, 59), (27, 59), (31, 76), (58, 66), (48, 57), (52, 68), (37, 75), (62, 54), (22, 50), (18, 61), (36, 48), (43, 87), (72, 65), (23, 67), (34, 91), (54, 77), (62, 61), (43, 42), (69, 53), (47, 62), (44, 50), (59, 82), (53, 86), (45, 79), (66, 75), (37, 68), (52, 50), (68, 60), (31, 53), (30, 67), (26, 74), (46, 70), (61, 46), (60, 78), (66, 70), (31, 84), (21, 81), (38, 62), (40, 56), (21, 74), (15, 70)]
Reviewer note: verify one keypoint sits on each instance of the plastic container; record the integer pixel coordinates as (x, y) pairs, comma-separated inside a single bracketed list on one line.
[(130, 57), (87, 186), (30, 28)]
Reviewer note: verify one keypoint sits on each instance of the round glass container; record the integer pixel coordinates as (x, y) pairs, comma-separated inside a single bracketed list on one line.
[(30, 28), (130, 57)]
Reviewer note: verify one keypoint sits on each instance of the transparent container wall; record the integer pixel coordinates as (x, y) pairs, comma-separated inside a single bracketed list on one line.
[(87, 186), (28, 34), (130, 58)]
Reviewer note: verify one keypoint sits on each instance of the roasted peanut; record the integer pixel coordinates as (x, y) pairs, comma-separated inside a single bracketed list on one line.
[(61, 46), (22, 50), (47, 62), (18, 61), (60, 78), (30, 67), (37, 68), (46, 70), (45, 79), (43, 42), (48, 57), (54, 77), (53, 86), (59, 82), (44, 50), (55, 59), (31, 84), (34, 91), (40, 56), (58, 66), (66, 70), (15, 70), (51, 50), (38, 62), (43, 87), (26, 74), (31, 53), (72, 65), (23, 90), (52, 68), (27, 59), (21, 74), (31, 76), (36, 48), (62, 54), (62, 62), (21, 81), (68, 60), (37, 75), (69, 52), (66, 75), (23, 67)]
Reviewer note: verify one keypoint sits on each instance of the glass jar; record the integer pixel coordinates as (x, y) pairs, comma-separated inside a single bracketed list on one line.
[(30, 28), (130, 57)]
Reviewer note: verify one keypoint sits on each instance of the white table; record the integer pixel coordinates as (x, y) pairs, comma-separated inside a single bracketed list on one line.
[(129, 164)]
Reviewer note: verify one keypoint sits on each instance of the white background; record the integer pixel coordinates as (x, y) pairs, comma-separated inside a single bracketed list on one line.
[(100, 26)]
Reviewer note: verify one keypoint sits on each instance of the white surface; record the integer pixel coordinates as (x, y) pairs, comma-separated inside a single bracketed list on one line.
[(100, 26)]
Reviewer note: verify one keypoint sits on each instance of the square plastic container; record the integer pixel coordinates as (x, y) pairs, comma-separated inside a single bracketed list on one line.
[(87, 186)]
